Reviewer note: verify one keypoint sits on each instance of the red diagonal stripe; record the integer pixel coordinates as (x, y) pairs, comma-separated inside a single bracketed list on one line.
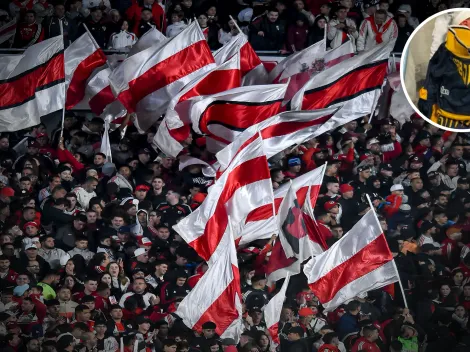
[(224, 303), (248, 59), (347, 87), (248, 172), (99, 101), (215, 82), (368, 259), (177, 66), (17, 90), (76, 89)]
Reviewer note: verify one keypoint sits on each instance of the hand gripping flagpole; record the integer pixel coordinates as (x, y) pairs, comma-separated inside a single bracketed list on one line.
[(393, 260), (65, 88)]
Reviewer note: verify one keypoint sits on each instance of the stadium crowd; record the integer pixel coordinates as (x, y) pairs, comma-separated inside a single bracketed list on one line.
[(75, 277)]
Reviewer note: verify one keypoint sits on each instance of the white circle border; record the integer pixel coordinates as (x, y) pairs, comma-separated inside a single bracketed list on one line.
[(402, 70)]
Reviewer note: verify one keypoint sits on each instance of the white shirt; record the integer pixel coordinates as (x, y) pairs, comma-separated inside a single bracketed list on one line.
[(121, 40)]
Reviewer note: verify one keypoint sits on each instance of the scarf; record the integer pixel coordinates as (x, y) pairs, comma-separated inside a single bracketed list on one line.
[(383, 29)]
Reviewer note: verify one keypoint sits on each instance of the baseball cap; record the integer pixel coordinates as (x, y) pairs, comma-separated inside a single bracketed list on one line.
[(397, 187), (124, 229), (294, 161), (142, 188), (372, 141), (143, 151), (139, 251), (364, 156), (144, 241), (33, 144), (199, 197), (330, 204), (30, 245), (363, 168), (30, 223), (432, 174), (346, 188), (305, 312), (7, 192), (386, 167), (296, 330), (415, 159)]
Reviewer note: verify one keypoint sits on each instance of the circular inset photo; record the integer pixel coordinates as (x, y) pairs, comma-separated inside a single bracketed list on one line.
[(435, 71)]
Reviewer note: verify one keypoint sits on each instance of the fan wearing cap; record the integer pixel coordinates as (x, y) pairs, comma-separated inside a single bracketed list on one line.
[(141, 191), (360, 181), (427, 229), (293, 168), (295, 341), (208, 333), (394, 200), (332, 207), (309, 320), (30, 254), (32, 151), (451, 249), (140, 259), (44, 146), (451, 174), (348, 205)]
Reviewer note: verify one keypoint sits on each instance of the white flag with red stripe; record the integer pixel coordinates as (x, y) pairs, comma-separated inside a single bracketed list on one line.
[(82, 57), (245, 185), (359, 262), (31, 85), (261, 223), (354, 85), (150, 38), (223, 116), (7, 31), (174, 129), (272, 311), (252, 69), (279, 132), (147, 82), (217, 296)]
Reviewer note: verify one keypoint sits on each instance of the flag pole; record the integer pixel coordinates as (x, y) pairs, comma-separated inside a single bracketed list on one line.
[(65, 88), (236, 24), (393, 260)]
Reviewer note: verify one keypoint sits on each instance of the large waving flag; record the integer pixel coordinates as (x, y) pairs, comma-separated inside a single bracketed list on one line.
[(152, 37), (252, 69), (7, 31), (245, 185), (359, 262), (147, 82), (272, 311), (217, 296), (174, 129), (261, 223), (354, 84), (82, 57), (224, 115), (31, 85)]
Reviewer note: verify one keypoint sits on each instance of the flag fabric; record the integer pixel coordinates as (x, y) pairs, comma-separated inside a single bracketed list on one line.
[(145, 83), (339, 54), (354, 85), (261, 223), (217, 296), (272, 311), (246, 185), (150, 38), (105, 142), (279, 132), (252, 69), (31, 85), (7, 31), (359, 262), (82, 57), (224, 115)]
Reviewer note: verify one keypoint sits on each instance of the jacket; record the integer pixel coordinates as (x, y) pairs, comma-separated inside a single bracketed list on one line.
[(274, 33), (338, 36), (85, 253), (445, 97), (52, 256), (52, 28), (134, 12), (120, 40), (175, 28), (370, 35), (83, 197)]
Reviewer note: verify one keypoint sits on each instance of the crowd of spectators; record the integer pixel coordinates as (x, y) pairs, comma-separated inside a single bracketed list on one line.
[(89, 259)]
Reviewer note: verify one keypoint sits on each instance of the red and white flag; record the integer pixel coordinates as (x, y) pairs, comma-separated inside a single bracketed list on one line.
[(174, 129), (339, 54), (245, 185), (31, 85), (223, 116), (261, 223), (82, 57), (359, 262), (150, 38), (147, 82), (217, 296), (7, 31), (279, 132), (253, 70), (354, 85), (272, 311)]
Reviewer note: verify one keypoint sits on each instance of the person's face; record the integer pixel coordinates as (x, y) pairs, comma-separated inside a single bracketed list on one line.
[(208, 333), (91, 217), (143, 258), (325, 10), (466, 291), (60, 194), (146, 15), (384, 6), (78, 225), (91, 286), (106, 242), (29, 18), (202, 20), (66, 175), (25, 185), (171, 348), (114, 269), (96, 208), (133, 164), (417, 184), (460, 311), (117, 222), (157, 184), (171, 197), (124, 26), (70, 267), (100, 329), (187, 3), (299, 5), (162, 269), (321, 23), (106, 279), (91, 186), (442, 200), (163, 233), (4, 143), (64, 293), (96, 15), (85, 315), (180, 281), (365, 174), (90, 305), (139, 286), (125, 171), (458, 277), (445, 290), (4, 265), (33, 346), (273, 16), (27, 306), (333, 188), (175, 18), (379, 18), (33, 267), (337, 232), (214, 348), (141, 194), (342, 14)]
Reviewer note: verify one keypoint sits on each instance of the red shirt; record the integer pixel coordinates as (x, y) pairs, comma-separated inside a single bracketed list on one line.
[(362, 344)]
